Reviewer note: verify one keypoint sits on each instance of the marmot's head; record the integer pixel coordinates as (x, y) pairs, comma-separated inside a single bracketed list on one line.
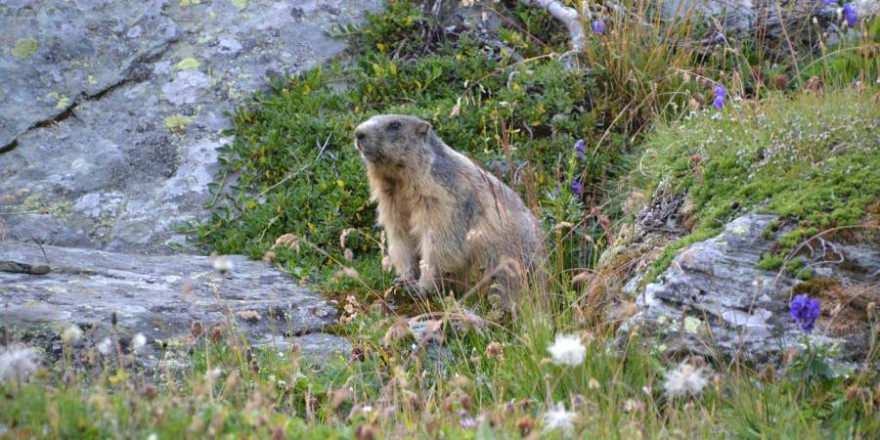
[(393, 140)]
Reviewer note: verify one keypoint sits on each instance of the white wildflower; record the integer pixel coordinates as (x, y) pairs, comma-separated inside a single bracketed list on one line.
[(17, 363), (105, 346), (223, 265), (71, 335), (559, 418), (212, 375), (567, 350), (686, 380), (153, 437), (633, 405), (138, 342)]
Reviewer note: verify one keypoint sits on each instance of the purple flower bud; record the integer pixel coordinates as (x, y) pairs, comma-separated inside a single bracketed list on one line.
[(468, 422), (721, 91), (805, 311), (576, 187), (831, 2), (718, 102), (598, 26), (849, 14), (579, 149)]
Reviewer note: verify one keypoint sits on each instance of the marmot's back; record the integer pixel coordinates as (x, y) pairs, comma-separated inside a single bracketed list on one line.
[(447, 220)]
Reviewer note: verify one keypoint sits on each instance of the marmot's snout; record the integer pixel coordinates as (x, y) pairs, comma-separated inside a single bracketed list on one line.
[(364, 144)]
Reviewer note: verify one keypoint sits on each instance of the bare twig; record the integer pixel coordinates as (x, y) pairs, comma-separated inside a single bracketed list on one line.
[(321, 149), (39, 244), (568, 16)]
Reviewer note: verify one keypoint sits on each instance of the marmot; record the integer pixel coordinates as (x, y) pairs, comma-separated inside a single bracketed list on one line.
[(448, 222)]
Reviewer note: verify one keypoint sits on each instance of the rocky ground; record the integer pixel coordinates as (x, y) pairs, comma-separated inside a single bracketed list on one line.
[(113, 110), (112, 113), (47, 288)]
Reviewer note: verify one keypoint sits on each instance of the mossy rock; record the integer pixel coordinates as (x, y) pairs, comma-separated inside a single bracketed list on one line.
[(810, 159)]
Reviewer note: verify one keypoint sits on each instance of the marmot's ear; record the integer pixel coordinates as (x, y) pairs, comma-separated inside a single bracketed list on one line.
[(423, 128)]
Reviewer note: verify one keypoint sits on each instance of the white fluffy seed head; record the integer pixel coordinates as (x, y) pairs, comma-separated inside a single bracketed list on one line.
[(71, 335), (105, 346), (686, 380), (558, 417), (223, 265), (138, 342), (567, 350), (18, 363)]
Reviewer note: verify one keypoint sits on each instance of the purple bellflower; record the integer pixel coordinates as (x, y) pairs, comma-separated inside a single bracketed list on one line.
[(720, 96), (805, 311), (850, 15), (579, 149)]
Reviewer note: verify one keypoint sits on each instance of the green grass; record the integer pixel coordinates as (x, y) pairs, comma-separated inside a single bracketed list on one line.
[(618, 391)]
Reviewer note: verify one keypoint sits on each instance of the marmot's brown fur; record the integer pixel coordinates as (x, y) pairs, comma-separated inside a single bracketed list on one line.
[(447, 220)]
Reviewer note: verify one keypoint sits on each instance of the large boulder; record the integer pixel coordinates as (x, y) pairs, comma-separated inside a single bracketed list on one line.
[(714, 300), (113, 110), (46, 289)]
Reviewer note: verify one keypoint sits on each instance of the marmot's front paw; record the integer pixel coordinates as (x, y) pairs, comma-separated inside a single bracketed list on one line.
[(405, 282), (410, 286)]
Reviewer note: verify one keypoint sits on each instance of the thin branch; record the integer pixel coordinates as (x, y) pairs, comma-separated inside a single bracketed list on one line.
[(568, 16)]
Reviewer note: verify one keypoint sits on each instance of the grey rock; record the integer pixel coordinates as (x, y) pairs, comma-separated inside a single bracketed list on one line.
[(158, 296), (737, 17), (112, 111), (712, 300), (316, 347)]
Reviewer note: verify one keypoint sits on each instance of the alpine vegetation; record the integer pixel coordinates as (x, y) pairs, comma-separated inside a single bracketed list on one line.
[(520, 219)]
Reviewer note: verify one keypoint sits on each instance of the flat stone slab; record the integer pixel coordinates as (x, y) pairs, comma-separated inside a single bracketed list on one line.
[(45, 290), (713, 300), (111, 111)]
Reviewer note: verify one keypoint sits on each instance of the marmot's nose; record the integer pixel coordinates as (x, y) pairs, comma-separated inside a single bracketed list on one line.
[(359, 135)]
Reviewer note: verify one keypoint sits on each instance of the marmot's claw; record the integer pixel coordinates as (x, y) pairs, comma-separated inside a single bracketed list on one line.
[(406, 282), (408, 285)]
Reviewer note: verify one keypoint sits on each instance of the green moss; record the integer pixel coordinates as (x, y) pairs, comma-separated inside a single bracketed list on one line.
[(34, 202), (25, 47), (187, 64), (37, 204), (177, 123), (816, 286), (63, 103), (805, 274), (811, 160), (671, 251), (770, 261)]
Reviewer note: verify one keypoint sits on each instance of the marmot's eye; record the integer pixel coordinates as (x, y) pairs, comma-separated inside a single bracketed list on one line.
[(394, 125)]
